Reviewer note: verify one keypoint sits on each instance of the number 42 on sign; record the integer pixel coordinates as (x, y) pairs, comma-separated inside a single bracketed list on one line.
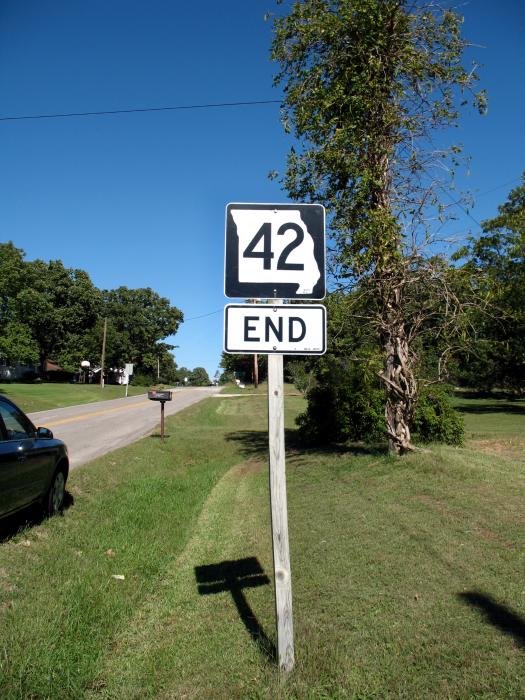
[(275, 251)]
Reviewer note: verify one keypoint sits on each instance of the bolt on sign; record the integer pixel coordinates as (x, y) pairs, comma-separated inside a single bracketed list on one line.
[(276, 252)]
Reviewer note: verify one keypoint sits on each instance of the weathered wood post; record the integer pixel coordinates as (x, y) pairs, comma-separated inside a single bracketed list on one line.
[(279, 513)]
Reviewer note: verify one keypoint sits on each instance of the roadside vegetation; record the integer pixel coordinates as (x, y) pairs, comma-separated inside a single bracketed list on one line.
[(260, 390), (407, 574), (51, 312)]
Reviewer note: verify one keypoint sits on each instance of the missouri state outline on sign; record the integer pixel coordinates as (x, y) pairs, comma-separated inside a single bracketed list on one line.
[(275, 251)]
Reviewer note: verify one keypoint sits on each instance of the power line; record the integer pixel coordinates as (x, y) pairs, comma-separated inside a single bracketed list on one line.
[(481, 194), (193, 318), (498, 187), (63, 115)]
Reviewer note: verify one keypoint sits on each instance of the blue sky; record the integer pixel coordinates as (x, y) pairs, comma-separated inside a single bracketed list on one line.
[(139, 199)]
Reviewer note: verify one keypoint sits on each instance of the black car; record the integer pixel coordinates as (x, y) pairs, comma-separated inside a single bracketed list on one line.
[(34, 466)]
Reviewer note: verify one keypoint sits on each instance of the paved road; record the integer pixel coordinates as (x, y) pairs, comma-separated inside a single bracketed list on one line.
[(93, 429)]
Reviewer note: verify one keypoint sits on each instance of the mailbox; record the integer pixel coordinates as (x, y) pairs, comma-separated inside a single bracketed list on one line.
[(159, 395)]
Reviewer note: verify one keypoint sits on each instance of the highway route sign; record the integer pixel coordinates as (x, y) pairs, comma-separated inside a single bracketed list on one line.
[(290, 329), (275, 251)]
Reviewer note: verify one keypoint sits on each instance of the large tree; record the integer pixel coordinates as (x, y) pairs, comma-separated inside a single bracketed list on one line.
[(138, 320), (17, 343), (60, 305), (366, 85), (49, 311), (499, 253)]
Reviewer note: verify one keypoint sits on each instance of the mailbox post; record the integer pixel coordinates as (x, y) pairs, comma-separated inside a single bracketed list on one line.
[(161, 396)]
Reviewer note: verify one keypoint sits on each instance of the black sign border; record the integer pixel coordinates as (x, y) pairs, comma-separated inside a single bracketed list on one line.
[(313, 216), (272, 352)]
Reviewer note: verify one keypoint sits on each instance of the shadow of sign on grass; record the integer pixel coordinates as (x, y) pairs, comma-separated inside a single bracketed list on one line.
[(254, 443), (232, 577), (498, 615)]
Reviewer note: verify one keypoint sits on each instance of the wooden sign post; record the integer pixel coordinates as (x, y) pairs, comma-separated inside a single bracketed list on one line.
[(279, 511)]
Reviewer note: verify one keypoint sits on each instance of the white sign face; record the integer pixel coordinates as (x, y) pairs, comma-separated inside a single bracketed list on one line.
[(275, 251), (290, 329), (128, 369)]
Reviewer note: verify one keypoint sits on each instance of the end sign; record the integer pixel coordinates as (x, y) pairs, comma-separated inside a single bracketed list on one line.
[(292, 329)]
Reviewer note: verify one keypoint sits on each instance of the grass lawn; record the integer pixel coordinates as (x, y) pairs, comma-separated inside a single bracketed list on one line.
[(407, 574), (262, 389), (40, 397)]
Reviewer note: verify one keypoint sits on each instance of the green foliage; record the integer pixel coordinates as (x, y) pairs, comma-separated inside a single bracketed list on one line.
[(145, 380), (498, 360), (347, 403), (11, 279), (57, 303), (301, 375), (435, 419), (140, 318), (199, 377), (48, 311), (16, 337), (16, 341), (366, 84), (241, 367)]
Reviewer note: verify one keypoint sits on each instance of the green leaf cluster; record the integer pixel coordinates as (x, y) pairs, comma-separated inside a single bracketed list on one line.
[(365, 84), (497, 257), (49, 311)]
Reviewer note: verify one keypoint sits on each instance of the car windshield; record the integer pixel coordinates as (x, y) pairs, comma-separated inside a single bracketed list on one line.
[(17, 426)]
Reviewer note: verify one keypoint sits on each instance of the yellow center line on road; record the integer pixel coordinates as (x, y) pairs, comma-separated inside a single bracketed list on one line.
[(85, 416)]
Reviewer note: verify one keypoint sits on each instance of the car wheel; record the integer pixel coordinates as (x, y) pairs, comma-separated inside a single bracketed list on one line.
[(55, 497)]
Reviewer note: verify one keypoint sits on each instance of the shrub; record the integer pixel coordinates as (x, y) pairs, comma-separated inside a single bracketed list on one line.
[(143, 379), (436, 420), (348, 403), (300, 375)]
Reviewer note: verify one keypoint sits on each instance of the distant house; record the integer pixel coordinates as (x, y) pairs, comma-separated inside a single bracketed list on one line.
[(52, 371)]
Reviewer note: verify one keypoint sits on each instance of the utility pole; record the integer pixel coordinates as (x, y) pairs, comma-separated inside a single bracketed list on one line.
[(158, 367), (103, 356)]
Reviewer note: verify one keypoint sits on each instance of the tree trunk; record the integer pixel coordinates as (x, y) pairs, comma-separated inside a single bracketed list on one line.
[(401, 389)]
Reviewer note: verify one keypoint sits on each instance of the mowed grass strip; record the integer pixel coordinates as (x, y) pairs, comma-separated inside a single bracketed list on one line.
[(407, 583), (407, 574), (44, 396), (133, 512)]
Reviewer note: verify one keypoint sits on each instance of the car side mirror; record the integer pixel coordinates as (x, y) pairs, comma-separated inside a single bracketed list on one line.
[(44, 433)]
